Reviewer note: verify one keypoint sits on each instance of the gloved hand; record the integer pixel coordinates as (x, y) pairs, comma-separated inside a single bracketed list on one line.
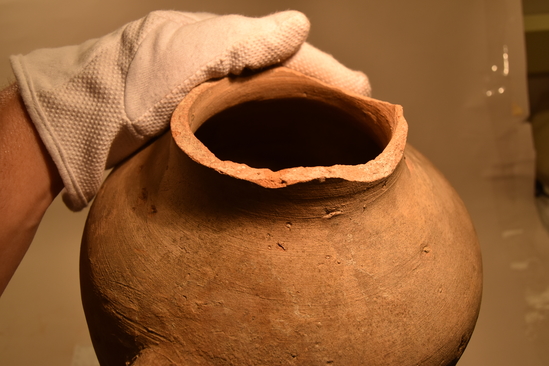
[(95, 104)]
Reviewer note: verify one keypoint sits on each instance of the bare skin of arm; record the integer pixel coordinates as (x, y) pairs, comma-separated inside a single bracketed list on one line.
[(29, 181)]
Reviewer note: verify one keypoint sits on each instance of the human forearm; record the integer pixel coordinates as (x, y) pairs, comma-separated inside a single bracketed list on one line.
[(29, 181)]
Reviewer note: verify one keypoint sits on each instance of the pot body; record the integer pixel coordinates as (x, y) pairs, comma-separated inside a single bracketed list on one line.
[(185, 265)]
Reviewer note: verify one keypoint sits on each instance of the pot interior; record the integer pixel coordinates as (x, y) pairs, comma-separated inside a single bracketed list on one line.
[(290, 132)]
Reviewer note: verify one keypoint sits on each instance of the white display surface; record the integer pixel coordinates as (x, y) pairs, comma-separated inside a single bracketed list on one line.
[(458, 69)]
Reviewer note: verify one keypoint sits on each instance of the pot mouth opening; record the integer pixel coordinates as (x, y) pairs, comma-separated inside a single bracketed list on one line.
[(287, 133), (280, 127)]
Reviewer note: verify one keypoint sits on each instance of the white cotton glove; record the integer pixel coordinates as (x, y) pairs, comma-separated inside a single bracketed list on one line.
[(97, 103)]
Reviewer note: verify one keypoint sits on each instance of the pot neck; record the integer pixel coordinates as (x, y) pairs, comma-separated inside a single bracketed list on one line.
[(380, 124)]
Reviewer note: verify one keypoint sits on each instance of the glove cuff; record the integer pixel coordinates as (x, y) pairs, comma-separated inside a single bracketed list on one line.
[(73, 196)]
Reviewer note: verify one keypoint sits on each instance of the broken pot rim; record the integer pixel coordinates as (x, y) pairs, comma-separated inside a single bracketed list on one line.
[(204, 101)]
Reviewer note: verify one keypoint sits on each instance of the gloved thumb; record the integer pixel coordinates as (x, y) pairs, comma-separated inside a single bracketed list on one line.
[(313, 62)]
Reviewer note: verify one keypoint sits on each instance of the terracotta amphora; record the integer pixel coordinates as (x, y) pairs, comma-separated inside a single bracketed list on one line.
[(282, 221)]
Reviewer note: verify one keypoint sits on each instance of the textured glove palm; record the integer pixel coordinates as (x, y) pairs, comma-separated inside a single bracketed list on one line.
[(95, 104)]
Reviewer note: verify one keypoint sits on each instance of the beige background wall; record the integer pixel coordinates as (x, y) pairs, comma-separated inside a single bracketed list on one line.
[(457, 67)]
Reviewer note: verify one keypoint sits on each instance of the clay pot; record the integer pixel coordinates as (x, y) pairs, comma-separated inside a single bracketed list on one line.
[(294, 228)]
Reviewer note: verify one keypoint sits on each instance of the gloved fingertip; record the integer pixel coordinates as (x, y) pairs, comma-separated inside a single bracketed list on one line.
[(295, 17), (293, 24), (274, 39)]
